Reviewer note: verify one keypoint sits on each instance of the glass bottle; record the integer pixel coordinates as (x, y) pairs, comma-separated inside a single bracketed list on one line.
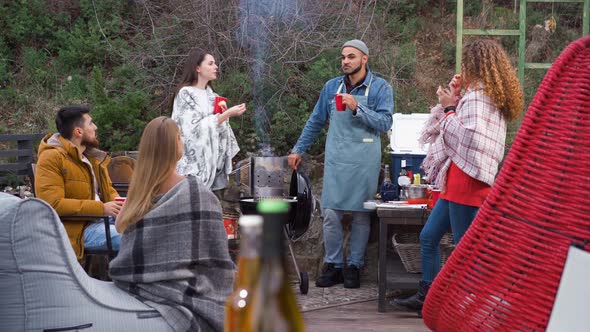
[(238, 302), (386, 184), (273, 307), (386, 174), (403, 180)]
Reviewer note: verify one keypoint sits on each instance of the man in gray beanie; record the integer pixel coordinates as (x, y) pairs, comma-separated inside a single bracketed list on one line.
[(358, 106), (358, 44)]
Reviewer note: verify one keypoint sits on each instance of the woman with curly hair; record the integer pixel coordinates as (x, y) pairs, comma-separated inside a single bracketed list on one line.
[(466, 135)]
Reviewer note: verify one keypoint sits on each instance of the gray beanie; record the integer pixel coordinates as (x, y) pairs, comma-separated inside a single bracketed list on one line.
[(358, 44)]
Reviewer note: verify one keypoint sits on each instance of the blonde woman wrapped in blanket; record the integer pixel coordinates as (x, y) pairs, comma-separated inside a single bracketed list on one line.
[(173, 254)]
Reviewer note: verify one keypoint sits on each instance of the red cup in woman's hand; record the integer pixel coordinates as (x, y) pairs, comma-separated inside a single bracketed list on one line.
[(220, 105)]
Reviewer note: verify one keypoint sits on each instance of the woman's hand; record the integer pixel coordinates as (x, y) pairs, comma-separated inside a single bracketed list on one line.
[(445, 97), (232, 112), (236, 110), (456, 84)]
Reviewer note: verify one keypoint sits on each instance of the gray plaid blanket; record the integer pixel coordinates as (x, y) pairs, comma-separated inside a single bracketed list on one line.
[(176, 259)]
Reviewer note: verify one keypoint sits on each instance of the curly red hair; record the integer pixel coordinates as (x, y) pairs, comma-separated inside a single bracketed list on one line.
[(484, 61)]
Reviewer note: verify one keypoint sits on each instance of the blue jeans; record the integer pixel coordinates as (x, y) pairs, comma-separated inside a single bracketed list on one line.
[(444, 215), (333, 237), (95, 237)]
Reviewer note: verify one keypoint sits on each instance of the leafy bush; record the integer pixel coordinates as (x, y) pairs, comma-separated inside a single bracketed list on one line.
[(80, 48), (448, 52), (36, 68), (4, 60), (120, 117), (27, 22), (74, 90)]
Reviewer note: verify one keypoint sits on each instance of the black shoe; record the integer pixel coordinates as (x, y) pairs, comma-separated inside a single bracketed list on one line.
[(352, 278), (331, 275), (415, 302)]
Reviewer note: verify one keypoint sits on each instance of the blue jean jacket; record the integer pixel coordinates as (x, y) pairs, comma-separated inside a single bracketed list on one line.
[(377, 115)]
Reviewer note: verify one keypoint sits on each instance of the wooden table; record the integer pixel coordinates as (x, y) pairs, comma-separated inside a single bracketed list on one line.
[(411, 220)]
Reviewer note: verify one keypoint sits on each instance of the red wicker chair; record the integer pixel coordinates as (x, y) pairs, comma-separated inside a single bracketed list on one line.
[(504, 274)]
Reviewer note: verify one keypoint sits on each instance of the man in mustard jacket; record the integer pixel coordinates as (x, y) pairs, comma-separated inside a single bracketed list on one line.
[(71, 175)]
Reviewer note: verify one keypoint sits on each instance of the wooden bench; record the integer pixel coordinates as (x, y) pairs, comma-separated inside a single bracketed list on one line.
[(16, 156)]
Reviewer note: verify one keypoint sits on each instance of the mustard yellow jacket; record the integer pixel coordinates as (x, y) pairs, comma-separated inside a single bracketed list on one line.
[(64, 181)]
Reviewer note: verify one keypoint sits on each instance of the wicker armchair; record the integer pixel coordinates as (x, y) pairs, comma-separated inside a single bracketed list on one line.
[(504, 274)]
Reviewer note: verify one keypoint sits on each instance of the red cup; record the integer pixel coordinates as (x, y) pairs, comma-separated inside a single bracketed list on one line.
[(120, 199), (435, 195), (231, 228), (217, 109), (339, 105)]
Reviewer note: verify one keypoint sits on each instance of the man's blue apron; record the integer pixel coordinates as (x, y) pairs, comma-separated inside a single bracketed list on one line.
[(353, 158)]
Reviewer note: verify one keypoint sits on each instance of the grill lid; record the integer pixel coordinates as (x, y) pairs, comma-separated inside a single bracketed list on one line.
[(300, 200), (300, 214)]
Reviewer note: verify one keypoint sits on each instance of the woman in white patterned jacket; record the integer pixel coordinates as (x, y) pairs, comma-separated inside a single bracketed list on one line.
[(466, 136), (209, 142)]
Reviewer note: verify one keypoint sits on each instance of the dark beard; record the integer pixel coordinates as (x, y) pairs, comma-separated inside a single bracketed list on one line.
[(354, 71), (89, 144)]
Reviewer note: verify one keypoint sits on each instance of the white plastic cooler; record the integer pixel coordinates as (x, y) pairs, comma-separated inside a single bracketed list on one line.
[(403, 137)]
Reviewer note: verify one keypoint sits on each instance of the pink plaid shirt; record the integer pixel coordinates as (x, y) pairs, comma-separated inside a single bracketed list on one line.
[(473, 138)]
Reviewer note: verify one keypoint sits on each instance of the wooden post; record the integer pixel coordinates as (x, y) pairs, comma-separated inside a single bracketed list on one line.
[(522, 41), (459, 48), (585, 18)]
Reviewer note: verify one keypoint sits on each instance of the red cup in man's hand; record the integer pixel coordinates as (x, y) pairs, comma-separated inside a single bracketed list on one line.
[(339, 105)]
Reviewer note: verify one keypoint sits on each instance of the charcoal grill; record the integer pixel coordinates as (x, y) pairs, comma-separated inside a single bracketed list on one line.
[(266, 177)]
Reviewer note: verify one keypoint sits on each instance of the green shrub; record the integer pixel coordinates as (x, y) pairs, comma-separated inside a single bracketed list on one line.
[(408, 99), (405, 61), (27, 22), (504, 18), (121, 121), (411, 8), (448, 52), (4, 62), (80, 48), (120, 117), (37, 70), (74, 89)]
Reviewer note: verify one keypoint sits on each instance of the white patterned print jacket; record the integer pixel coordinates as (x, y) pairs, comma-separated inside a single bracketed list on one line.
[(208, 146)]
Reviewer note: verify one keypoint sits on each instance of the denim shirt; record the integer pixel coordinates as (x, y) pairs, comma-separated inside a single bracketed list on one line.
[(377, 115)]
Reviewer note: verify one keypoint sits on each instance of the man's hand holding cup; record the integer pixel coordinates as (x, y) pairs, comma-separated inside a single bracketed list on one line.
[(349, 101)]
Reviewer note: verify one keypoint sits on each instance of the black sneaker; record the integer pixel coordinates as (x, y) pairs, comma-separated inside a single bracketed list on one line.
[(331, 275), (352, 277)]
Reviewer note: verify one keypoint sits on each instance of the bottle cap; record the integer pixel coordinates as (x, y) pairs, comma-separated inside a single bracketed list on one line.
[(250, 220)]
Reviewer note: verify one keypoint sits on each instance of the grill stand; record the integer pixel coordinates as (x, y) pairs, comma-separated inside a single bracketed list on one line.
[(303, 276)]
